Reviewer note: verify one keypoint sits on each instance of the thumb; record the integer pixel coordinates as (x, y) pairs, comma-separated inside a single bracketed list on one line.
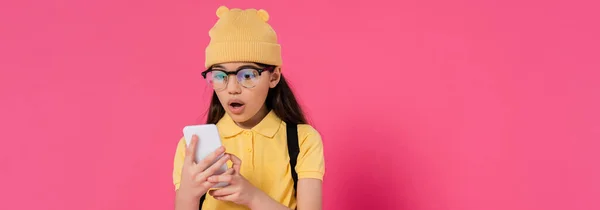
[(236, 163), (190, 152)]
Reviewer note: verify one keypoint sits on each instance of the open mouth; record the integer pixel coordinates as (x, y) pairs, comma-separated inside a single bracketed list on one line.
[(236, 104)]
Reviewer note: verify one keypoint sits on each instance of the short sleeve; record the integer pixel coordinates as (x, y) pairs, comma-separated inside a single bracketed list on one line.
[(311, 163), (178, 162)]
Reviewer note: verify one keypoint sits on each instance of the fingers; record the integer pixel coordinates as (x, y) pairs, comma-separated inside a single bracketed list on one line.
[(221, 178), (211, 158), (208, 185), (236, 163), (229, 197), (223, 192), (214, 167), (229, 171), (190, 151), (215, 181)]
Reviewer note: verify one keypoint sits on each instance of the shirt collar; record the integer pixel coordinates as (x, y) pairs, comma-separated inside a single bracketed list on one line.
[(268, 126)]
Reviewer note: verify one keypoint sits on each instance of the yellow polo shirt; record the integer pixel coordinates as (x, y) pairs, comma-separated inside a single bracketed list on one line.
[(265, 159)]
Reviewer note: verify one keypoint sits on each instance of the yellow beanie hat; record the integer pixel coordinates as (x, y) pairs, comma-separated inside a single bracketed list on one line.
[(242, 36)]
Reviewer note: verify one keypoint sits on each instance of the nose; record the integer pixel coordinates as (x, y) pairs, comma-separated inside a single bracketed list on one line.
[(233, 87)]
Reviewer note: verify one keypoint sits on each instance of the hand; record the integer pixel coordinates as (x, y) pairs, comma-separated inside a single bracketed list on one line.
[(194, 175), (239, 190)]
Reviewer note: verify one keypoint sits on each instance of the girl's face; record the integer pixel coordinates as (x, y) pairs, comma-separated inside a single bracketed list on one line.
[(242, 89)]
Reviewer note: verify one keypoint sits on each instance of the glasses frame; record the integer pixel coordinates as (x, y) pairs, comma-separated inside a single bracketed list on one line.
[(258, 69)]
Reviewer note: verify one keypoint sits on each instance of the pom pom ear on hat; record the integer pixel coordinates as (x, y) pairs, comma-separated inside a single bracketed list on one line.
[(264, 15), (221, 11)]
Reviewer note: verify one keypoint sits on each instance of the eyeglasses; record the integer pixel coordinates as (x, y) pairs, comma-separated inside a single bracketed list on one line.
[(247, 76)]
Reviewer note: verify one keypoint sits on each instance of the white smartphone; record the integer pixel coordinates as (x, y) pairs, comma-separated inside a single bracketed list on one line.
[(208, 141)]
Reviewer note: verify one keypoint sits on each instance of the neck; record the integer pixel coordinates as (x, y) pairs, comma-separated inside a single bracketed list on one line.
[(259, 116)]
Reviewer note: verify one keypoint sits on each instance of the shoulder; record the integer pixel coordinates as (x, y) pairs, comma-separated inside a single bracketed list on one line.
[(306, 130), (307, 134), (178, 162), (181, 143), (181, 146), (311, 162)]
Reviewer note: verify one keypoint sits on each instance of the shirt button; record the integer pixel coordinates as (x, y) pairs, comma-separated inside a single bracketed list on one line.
[(249, 150)]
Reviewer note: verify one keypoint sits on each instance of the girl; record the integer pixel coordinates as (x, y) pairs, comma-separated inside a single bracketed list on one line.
[(257, 115)]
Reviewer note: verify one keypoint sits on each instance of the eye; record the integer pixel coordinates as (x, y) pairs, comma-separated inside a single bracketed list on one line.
[(247, 74), (218, 75)]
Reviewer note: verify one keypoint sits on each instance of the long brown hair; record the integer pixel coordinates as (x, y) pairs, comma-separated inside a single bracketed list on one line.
[(280, 99)]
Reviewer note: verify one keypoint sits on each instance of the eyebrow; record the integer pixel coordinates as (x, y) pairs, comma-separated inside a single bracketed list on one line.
[(241, 67), (217, 66)]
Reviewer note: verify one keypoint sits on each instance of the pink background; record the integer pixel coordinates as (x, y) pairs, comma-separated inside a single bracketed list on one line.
[(423, 105)]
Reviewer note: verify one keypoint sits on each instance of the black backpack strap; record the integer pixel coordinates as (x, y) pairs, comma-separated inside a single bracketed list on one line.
[(202, 201), (293, 150)]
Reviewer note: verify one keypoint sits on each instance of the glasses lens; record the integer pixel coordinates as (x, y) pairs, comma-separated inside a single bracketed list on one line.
[(217, 79), (248, 77)]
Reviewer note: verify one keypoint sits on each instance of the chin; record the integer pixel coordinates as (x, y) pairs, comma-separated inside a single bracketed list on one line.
[(240, 118)]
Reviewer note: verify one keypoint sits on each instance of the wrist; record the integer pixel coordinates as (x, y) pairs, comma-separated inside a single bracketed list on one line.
[(257, 199), (185, 196), (186, 202)]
